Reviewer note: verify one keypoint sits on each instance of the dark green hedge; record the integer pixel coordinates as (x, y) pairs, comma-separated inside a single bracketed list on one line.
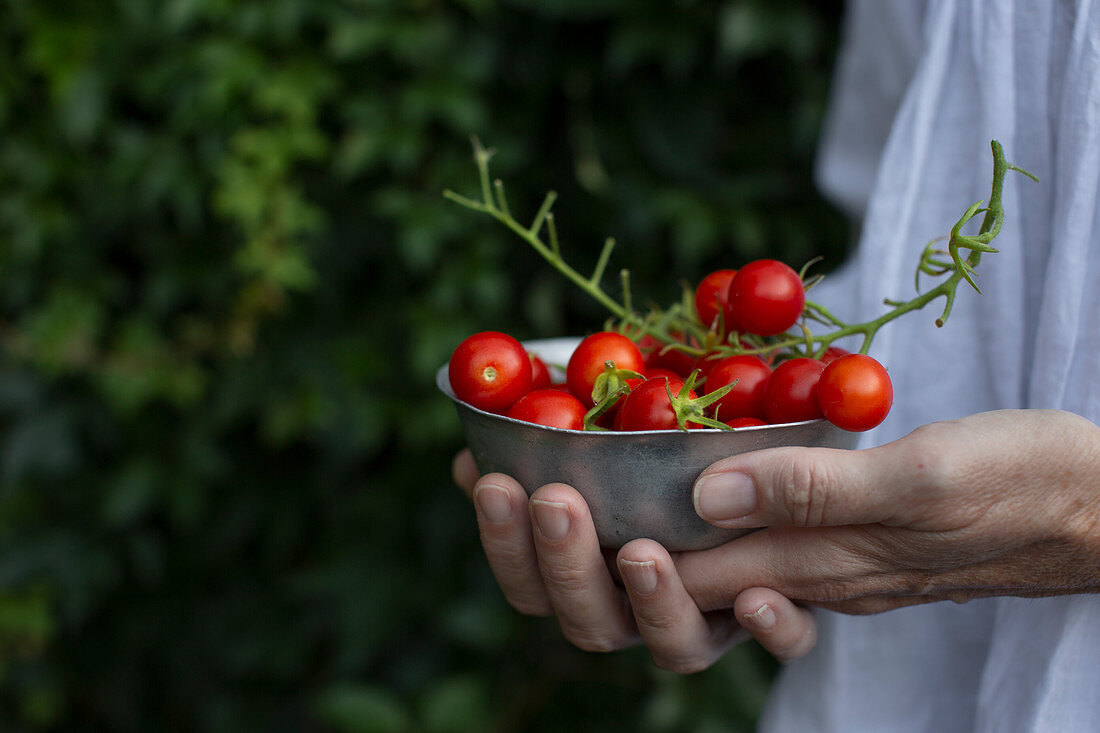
[(227, 277)]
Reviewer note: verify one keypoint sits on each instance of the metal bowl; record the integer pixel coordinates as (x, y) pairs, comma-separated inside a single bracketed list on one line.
[(637, 484)]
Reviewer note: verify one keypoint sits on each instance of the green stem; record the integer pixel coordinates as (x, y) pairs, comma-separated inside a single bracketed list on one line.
[(552, 254), (679, 320)]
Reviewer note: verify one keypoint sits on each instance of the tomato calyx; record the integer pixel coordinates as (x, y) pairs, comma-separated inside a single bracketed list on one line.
[(684, 404), (604, 407), (589, 361), (611, 379), (611, 385), (691, 409)]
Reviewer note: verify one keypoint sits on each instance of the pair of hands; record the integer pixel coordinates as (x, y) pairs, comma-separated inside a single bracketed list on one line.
[(999, 503)]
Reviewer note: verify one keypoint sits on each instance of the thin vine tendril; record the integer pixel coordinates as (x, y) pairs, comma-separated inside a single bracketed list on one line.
[(678, 327)]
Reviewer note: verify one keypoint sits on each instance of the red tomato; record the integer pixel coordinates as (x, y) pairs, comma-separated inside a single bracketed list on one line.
[(745, 422), (749, 376), (765, 297), (832, 354), (855, 392), (675, 361), (587, 361), (540, 374), (550, 407), (791, 393), (711, 295), (704, 364), (490, 370), (647, 407), (654, 372), (647, 345), (672, 359), (607, 419)]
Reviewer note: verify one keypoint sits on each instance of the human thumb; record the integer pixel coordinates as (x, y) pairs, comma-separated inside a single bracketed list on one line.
[(805, 487)]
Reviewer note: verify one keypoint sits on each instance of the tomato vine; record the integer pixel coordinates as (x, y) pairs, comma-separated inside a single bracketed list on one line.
[(679, 328)]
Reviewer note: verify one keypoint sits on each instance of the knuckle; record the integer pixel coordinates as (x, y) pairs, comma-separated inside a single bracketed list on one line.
[(513, 566), (506, 553), (566, 578), (919, 584), (656, 623), (939, 482), (655, 616), (805, 492), (959, 596), (936, 467)]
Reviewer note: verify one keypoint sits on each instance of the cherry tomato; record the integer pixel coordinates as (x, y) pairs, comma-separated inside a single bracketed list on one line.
[(671, 359), (647, 407), (490, 370), (745, 422), (607, 419), (540, 374), (832, 354), (588, 359), (855, 392), (655, 372), (749, 376), (791, 393), (647, 344), (711, 294), (765, 297), (550, 407), (704, 364)]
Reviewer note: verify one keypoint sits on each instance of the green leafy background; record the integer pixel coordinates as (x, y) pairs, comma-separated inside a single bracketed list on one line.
[(227, 277)]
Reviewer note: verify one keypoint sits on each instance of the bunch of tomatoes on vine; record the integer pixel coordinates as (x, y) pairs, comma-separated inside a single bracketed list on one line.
[(745, 347), (632, 379)]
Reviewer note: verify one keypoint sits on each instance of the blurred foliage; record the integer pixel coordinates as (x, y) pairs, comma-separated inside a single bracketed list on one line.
[(227, 277)]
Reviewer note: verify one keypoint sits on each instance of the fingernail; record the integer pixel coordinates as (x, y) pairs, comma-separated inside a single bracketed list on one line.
[(493, 503), (641, 576), (726, 495), (552, 518), (762, 618)]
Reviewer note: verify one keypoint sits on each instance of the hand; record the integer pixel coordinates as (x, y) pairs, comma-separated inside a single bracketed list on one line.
[(999, 503), (547, 560)]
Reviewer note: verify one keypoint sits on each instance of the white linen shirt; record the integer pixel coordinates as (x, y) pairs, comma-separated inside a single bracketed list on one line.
[(921, 88)]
